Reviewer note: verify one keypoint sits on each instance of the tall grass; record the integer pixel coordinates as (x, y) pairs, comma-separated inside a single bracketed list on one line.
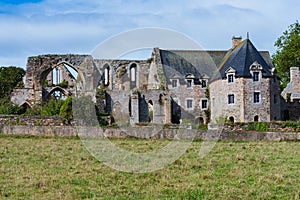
[(61, 168)]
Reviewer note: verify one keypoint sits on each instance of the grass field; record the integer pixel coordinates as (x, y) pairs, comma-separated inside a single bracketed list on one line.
[(61, 168)]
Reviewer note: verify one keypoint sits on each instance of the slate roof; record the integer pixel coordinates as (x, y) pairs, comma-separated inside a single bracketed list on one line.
[(241, 58), (209, 62), (200, 63)]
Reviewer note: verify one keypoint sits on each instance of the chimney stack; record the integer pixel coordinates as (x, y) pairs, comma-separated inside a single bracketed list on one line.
[(236, 41), (294, 75)]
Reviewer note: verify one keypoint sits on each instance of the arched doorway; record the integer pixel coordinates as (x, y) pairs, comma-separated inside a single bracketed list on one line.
[(256, 118), (231, 119), (199, 120)]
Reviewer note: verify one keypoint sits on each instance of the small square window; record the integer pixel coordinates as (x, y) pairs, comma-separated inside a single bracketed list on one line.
[(231, 99), (255, 76), (204, 104), (174, 83), (189, 83), (256, 97), (189, 103), (230, 78)]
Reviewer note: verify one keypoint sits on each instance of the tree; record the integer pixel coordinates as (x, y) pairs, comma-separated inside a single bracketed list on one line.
[(288, 52), (10, 77)]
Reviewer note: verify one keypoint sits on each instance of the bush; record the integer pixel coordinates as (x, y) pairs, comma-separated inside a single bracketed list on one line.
[(290, 124), (52, 107), (257, 126), (66, 110), (261, 126), (8, 108), (202, 127)]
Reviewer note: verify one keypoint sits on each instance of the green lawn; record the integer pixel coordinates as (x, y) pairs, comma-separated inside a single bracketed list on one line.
[(61, 168)]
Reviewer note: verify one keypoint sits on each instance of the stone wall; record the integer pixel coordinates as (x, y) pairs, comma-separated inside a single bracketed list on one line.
[(244, 109), (144, 133), (292, 110), (31, 120)]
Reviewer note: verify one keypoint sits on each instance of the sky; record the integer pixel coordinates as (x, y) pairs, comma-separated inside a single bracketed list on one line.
[(29, 28)]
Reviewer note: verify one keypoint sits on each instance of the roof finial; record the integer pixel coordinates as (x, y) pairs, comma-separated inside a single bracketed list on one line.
[(248, 35)]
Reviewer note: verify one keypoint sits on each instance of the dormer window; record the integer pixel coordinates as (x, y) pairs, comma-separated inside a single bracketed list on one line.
[(204, 84), (189, 80), (255, 70), (230, 78), (204, 81), (255, 76), (189, 83), (230, 73), (174, 83)]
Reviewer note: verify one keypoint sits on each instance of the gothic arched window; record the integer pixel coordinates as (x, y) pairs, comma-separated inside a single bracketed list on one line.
[(133, 75)]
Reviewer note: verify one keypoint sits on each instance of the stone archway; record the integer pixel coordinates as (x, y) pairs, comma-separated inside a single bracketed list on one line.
[(39, 68)]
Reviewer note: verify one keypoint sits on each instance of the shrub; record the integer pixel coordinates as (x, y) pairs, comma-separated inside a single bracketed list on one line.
[(66, 110), (290, 124), (202, 127), (261, 126), (257, 126)]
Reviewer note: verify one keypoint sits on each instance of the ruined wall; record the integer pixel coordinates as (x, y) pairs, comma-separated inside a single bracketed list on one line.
[(38, 68), (119, 73)]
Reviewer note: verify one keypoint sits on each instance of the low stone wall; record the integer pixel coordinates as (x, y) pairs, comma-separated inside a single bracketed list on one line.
[(31, 120), (148, 133)]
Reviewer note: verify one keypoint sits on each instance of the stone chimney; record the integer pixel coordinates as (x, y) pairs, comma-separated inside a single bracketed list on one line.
[(294, 75), (236, 41)]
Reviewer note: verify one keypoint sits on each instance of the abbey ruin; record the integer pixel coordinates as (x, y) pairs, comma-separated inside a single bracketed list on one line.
[(171, 87)]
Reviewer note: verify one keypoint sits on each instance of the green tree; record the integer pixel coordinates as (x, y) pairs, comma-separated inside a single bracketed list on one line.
[(52, 107), (288, 52), (10, 77)]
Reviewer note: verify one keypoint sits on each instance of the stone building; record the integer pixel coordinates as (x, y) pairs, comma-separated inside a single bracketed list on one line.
[(248, 88), (172, 87), (291, 96)]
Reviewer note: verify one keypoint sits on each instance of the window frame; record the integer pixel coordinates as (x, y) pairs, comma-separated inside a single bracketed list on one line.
[(203, 83), (256, 98), (230, 78), (201, 104), (256, 77), (174, 81), (189, 83), (189, 104), (231, 99)]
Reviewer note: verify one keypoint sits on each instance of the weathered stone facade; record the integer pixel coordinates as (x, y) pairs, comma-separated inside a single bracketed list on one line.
[(248, 89), (244, 109), (173, 86)]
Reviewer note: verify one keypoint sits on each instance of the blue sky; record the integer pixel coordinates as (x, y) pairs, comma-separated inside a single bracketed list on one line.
[(30, 28)]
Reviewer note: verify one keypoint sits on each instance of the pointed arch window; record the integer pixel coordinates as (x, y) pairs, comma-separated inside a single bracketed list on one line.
[(106, 75), (133, 75)]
